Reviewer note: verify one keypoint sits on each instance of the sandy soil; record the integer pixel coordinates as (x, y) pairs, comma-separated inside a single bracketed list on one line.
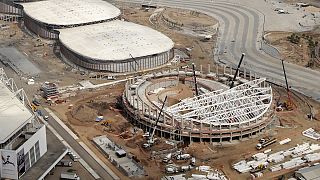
[(299, 53), (220, 156), (201, 53)]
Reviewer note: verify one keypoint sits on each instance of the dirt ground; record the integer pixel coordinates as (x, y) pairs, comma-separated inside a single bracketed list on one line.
[(297, 52), (221, 156), (86, 105), (201, 53)]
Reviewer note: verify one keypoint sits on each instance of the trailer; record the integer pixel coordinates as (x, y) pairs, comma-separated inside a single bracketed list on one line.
[(67, 175), (265, 144)]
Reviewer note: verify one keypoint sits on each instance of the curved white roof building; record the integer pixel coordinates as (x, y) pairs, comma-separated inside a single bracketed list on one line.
[(43, 17), (70, 12), (115, 46)]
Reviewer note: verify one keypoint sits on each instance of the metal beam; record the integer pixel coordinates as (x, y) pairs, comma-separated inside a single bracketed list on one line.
[(235, 74)]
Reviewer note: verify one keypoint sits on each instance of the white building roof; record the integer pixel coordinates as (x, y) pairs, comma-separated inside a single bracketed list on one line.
[(115, 40), (13, 114), (70, 12)]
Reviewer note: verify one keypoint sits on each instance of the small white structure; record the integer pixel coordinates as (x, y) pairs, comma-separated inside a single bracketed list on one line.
[(285, 141), (311, 133)]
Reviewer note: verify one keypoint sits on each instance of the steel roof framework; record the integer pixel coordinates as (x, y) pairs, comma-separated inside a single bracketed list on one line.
[(241, 104)]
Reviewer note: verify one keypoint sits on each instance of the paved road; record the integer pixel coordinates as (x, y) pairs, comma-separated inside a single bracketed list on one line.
[(79, 149), (240, 31)]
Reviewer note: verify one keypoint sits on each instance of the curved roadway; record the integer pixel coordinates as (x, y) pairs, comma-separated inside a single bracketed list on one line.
[(240, 31)]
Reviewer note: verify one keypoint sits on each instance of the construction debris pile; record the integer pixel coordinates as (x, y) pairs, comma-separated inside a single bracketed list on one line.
[(298, 155)]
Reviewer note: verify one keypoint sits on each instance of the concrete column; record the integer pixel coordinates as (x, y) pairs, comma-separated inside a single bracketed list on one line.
[(208, 68)]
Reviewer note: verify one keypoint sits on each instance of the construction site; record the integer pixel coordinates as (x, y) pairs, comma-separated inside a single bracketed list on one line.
[(163, 90)]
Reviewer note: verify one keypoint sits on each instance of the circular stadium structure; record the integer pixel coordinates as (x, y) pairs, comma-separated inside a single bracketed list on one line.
[(44, 17), (115, 46), (217, 114)]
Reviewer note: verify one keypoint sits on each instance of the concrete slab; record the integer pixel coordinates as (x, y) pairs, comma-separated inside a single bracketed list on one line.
[(17, 61)]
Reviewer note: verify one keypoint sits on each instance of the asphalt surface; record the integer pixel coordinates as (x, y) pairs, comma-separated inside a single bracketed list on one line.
[(241, 29), (79, 149)]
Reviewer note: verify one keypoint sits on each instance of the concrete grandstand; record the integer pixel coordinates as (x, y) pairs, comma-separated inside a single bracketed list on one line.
[(217, 114), (115, 46)]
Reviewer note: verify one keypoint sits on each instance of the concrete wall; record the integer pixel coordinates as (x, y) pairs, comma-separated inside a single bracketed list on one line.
[(9, 7), (40, 29), (119, 66)]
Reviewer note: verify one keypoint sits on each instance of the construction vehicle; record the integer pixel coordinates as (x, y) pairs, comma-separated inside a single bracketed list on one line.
[(259, 168), (106, 122), (266, 143), (33, 107), (167, 159), (183, 156), (151, 139), (67, 175), (65, 163), (171, 168), (193, 161)]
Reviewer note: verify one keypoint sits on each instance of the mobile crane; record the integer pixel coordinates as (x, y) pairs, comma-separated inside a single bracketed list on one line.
[(151, 139)]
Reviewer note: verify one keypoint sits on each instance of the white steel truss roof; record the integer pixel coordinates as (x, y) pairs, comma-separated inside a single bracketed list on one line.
[(241, 104)]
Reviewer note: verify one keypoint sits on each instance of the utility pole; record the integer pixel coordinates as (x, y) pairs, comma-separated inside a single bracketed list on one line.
[(235, 75), (195, 79)]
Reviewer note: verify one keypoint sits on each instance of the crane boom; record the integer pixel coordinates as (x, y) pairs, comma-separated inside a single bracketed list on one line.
[(155, 126), (235, 75)]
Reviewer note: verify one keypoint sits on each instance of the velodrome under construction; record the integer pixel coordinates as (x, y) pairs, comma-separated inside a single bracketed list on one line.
[(217, 114)]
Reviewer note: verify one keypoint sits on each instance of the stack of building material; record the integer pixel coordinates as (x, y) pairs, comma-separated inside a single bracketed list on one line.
[(216, 175), (260, 156), (285, 141), (276, 168), (311, 133), (276, 158), (312, 157), (50, 90), (242, 167), (293, 163)]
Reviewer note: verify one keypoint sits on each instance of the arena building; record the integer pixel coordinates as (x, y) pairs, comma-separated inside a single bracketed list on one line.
[(115, 46), (217, 114), (9, 7), (22, 138), (45, 17)]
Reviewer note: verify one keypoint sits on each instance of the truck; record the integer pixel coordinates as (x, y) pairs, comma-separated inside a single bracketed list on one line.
[(183, 156), (65, 163), (67, 175), (167, 159), (266, 143)]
